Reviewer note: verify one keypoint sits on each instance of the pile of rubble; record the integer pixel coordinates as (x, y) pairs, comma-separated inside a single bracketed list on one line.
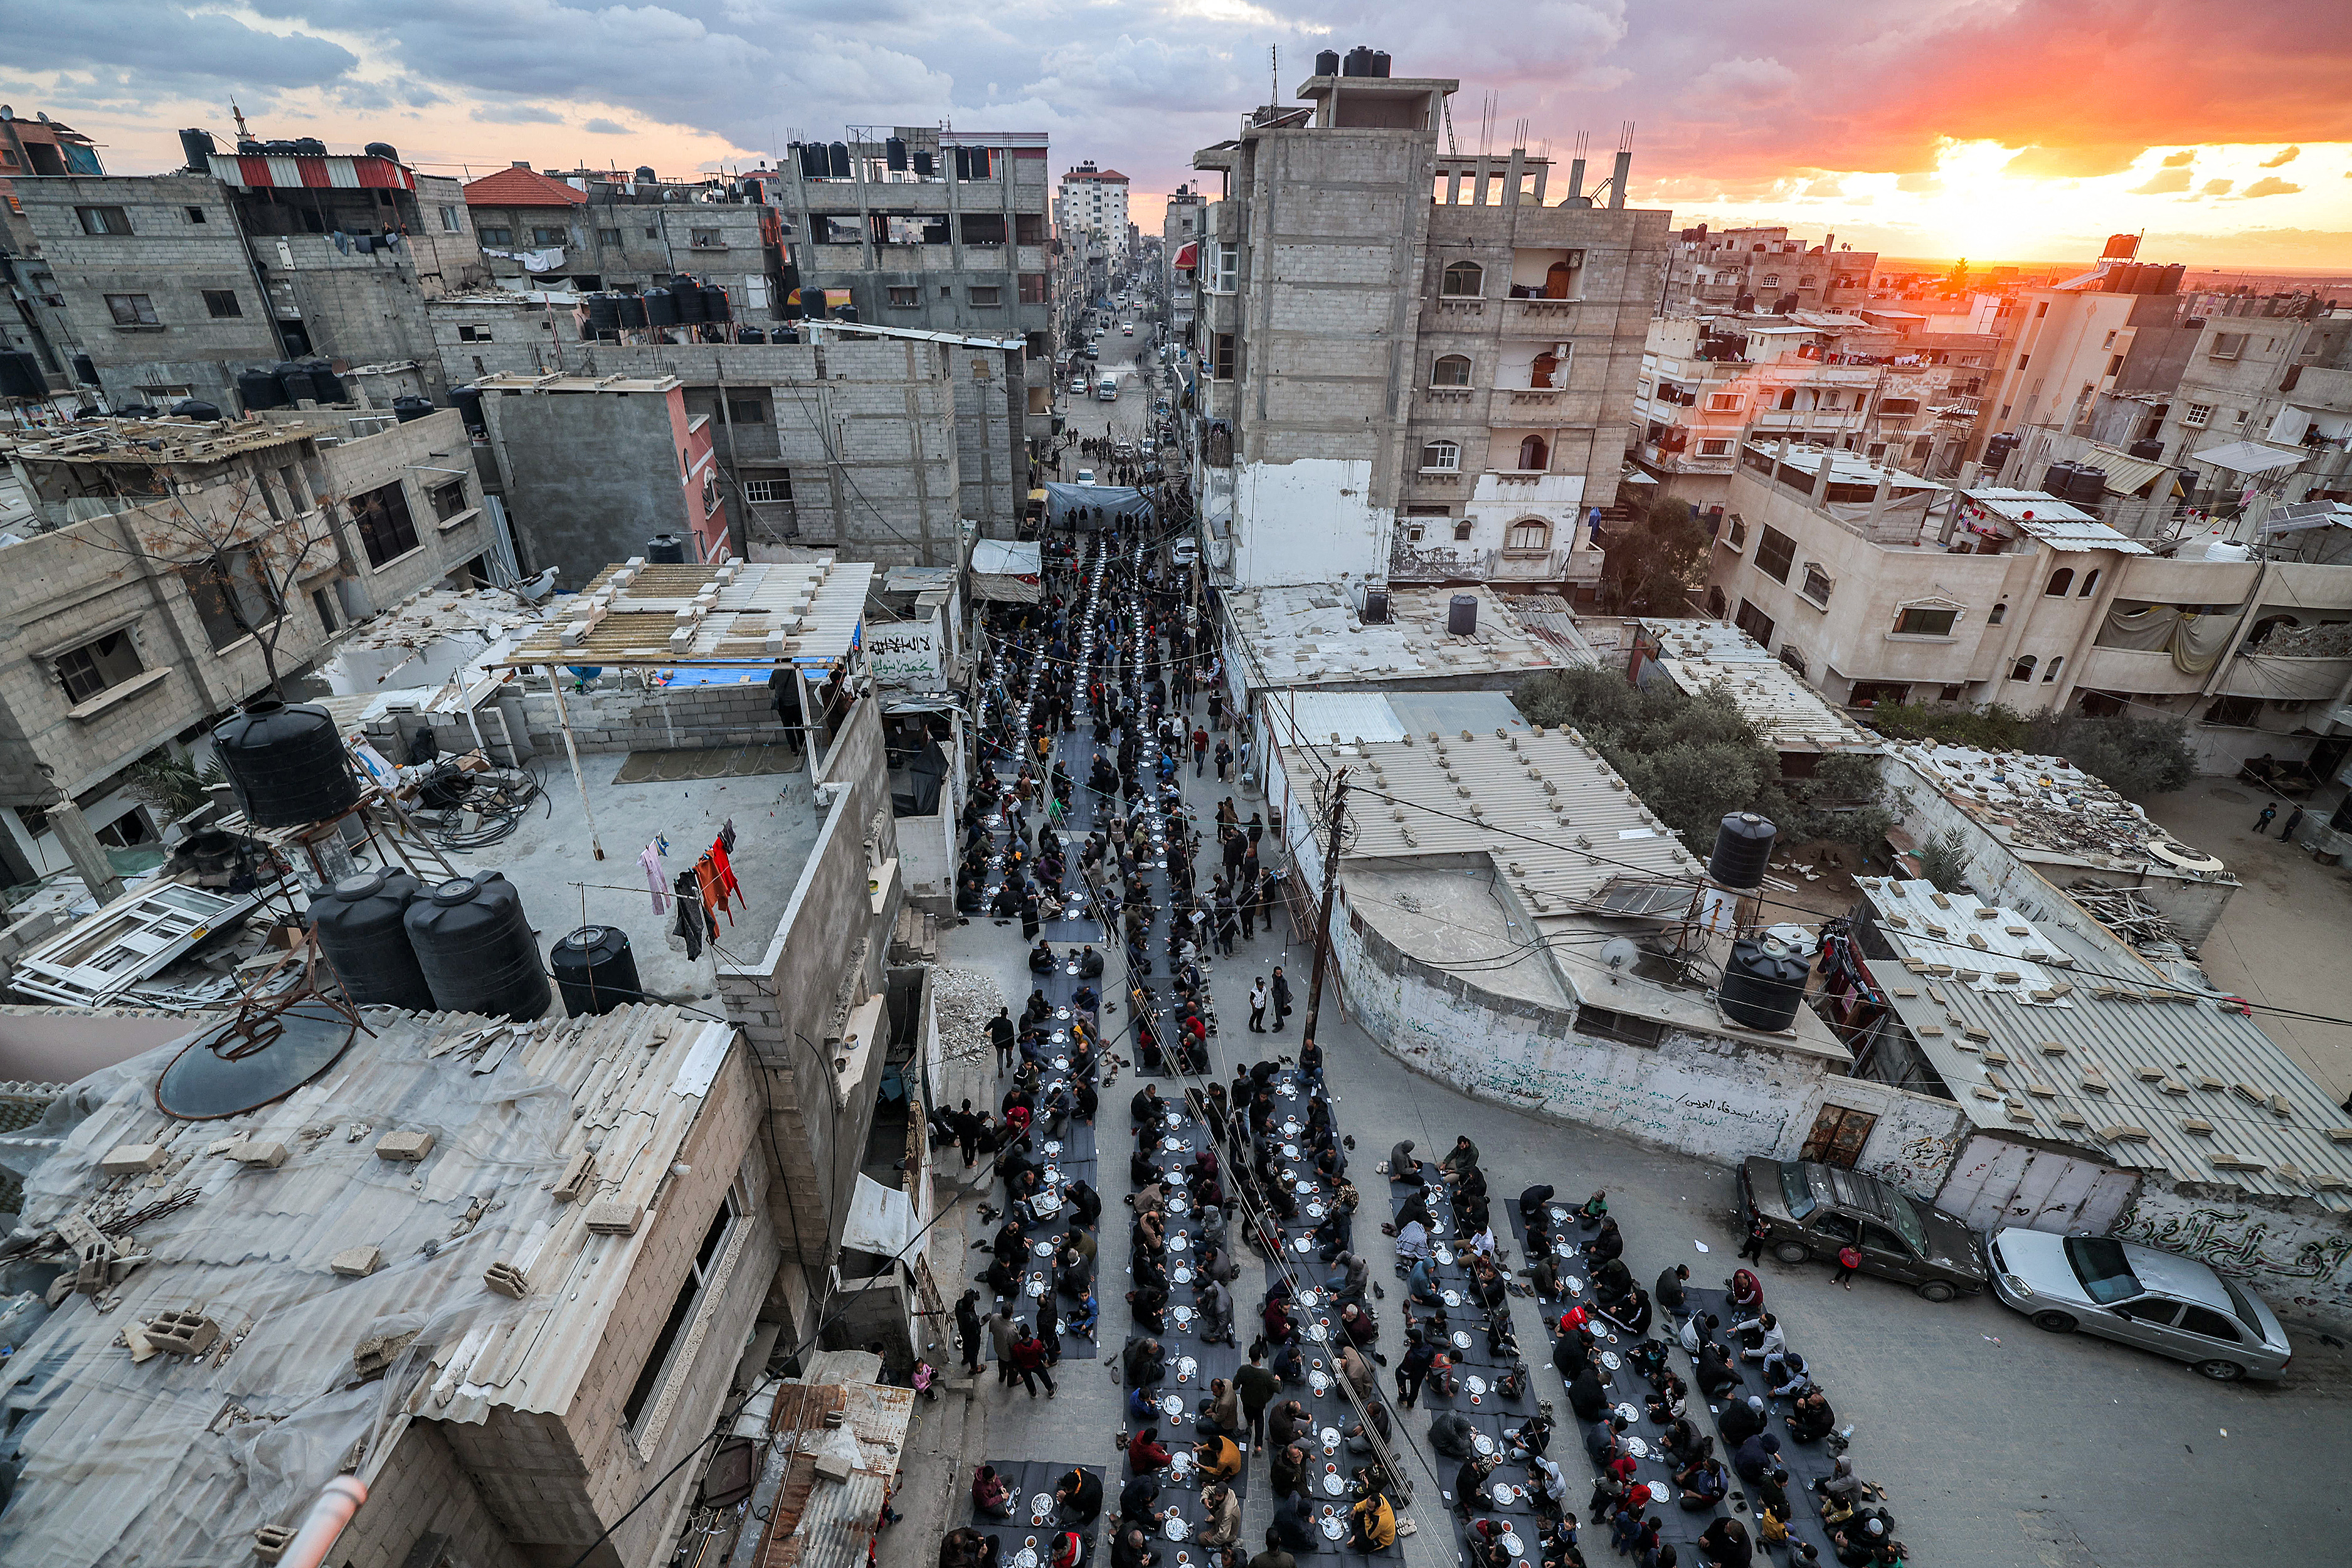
[(2333, 639), (963, 1000)]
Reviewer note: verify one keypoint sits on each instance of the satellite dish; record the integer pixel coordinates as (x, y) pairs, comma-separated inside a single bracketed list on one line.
[(1620, 952)]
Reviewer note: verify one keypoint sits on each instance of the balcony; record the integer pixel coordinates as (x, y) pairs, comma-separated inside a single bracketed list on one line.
[(2277, 678), (1548, 313), (2149, 671)]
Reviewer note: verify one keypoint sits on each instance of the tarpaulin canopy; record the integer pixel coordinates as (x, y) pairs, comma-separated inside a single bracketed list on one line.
[(1089, 508), (1006, 571), (880, 1218), (2249, 457)]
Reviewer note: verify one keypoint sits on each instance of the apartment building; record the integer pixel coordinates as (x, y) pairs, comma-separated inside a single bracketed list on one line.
[(160, 556), (1879, 586), (877, 441), (40, 146), (1872, 385), (2262, 409), (1179, 235), (595, 230), (170, 285), (1761, 269), (1095, 200), (1408, 364), (2108, 329)]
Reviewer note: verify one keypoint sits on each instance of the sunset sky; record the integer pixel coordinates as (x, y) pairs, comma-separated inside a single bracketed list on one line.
[(2026, 130)]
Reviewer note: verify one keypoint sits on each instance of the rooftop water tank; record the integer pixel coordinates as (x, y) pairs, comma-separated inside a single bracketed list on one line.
[(813, 159), (411, 408), (326, 387), (383, 150), (1763, 985), (196, 151), (685, 299), (310, 147), (2090, 485), (1380, 63), (362, 930), (475, 946), (836, 155), (631, 309), (294, 379), (645, 175), (286, 764), (2057, 479), (661, 311), (595, 970), (926, 163), (666, 548), (1358, 63), (257, 389), (714, 303), (894, 154), (1462, 615), (2150, 448), (1743, 847), (195, 408), (1326, 63), (468, 403)]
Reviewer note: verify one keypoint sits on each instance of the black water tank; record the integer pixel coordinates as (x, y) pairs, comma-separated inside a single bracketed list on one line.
[(753, 335), (136, 411), (1359, 62), (329, 389), (845, 312), (595, 970), (412, 407), (2150, 448), (666, 548), (926, 163), (661, 311), (2057, 479), (1462, 615), (247, 147), (1743, 847), (257, 389), (475, 946), (812, 160), (294, 381), (2090, 485), (361, 931), (195, 408), (1763, 985), (836, 156), (468, 403), (1380, 62), (631, 309), (286, 764), (894, 154), (1376, 607), (1327, 62), (645, 175), (383, 150), (714, 304), (196, 151), (309, 146), (685, 299), (604, 312)]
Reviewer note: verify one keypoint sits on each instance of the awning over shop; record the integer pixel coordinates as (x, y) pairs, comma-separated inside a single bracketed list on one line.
[(1006, 571), (1088, 507), (880, 1220)]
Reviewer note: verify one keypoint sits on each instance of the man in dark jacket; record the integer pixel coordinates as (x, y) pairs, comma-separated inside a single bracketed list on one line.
[(1668, 1294), (1281, 998)]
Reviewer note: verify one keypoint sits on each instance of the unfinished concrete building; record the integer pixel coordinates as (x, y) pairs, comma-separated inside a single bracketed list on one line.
[(1412, 364)]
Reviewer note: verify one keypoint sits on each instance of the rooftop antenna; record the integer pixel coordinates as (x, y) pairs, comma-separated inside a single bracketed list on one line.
[(242, 134), (1274, 71)]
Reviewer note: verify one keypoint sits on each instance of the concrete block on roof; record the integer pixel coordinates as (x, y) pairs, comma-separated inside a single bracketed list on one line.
[(615, 1217), (183, 1333), (404, 1146), (257, 1153), (133, 1158), (507, 1279), (357, 1262)]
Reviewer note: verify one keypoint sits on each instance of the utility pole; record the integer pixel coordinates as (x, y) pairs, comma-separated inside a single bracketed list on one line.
[(1330, 888)]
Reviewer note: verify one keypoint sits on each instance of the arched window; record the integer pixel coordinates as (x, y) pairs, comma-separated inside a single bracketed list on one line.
[(1542, 368), (2090, 583), (1717, 606), (2024, 669), (1534, 454), (1531, 534), (1451, 369), (1464, 281), (2051, 674), (1444, 456), (2060, 581), (1462, 530), (2000, 613)]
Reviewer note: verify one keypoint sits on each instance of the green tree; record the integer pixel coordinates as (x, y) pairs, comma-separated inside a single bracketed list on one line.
[(1653, 562)]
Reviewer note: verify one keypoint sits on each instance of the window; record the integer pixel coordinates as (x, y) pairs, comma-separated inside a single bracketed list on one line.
[(222, 302), (1222, 363), (705, 239), (1464, 281), (710, 494), (381, 518), (2041, 310), (2199, 413), (1535, 455), (983, 228), (699, 1276), (473, 332), (132, 310), (1461, 532), (2051, 673), (2090, 584), (1529, 535), (499, 234), (162, 397), (986, 296), (747, 411), (1793, 657), (1721, 448), (2000, 613), (1441, 457), (1032, 288), (195, 215), (1774, 552), (450, 222), (1924, 623), (778, 488), (1754, 622), (1451, 369), (1723, 402), (557, 235), (1414, 532), (103, 220), (448, 500), (2204, 1321), (232, 596), (95, 666), (2059, 582), (1734, 532), (1716, 604), (2234, 712), (2024, 669), (323, 603), (610, 237), (905, 298), (1817, 585), (1227, 266), (652, 232)]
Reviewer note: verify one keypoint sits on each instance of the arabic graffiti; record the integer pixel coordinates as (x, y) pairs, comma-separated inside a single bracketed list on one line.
[(911, 652), (2287, 1251)]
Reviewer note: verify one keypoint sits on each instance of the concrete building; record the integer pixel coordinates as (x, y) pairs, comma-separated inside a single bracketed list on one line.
[(599, 230), (1700, 657), (171, 284), (1279, 640), (877, 442), (2262, 409), (505, 1276), (1180, 233), (1094, 201), (944, 232), (40, 146), (1761, 269), (1877, 587), (1407, 364), (161, 551)]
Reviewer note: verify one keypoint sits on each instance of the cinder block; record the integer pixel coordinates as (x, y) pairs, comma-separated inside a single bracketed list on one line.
[(357, 1262), (404, 1146), (133, 1158), (257, 1154)]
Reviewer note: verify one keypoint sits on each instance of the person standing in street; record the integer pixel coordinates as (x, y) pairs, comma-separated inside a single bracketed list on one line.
[(1029, 1363), (1257, 1006), (1224, 761), (1849, 1260), (1758, 1233), (2286, 834), (2263, 823), (1257, 1387), (1003, 1327), (967, 1321), (1200, 752), (1281, 998), (1001, 1034)]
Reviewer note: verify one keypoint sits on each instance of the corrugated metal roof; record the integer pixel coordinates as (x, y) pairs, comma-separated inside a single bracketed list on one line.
[(2092, 1048), (1314, 717), (755, 615), (209, 1445), (2054, 523)]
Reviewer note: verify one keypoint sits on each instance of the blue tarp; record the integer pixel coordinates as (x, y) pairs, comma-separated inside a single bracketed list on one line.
[(1088, 507)]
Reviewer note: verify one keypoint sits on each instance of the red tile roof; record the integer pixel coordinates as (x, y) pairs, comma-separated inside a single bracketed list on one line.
[(521, 188), (1108, 176)]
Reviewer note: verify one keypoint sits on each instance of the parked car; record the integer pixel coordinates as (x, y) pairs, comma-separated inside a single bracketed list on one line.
[(1090, 352), (1078, 387), (1812, 1210), (2137, 1296), (1127, 329), (1085, 476)]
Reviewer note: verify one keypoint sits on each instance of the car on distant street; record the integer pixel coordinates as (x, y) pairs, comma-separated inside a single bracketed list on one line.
[(1813, 1211), (1127, 329), (1085, 476), (2135, 1295), (1078, 387)]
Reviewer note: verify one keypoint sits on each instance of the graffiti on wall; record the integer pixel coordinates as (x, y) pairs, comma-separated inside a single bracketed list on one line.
[(1917, 1165), (2270, 1249)]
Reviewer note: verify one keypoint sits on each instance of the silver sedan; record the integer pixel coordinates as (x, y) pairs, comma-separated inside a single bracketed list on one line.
[(2137, 1296)]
